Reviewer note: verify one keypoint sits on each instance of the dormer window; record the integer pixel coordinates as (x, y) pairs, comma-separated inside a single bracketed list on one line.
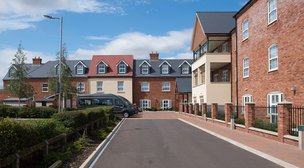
[(165, 69), (79, 69), (101, 68), (185, 69), (11, 72), (122, 68), (144, 69)]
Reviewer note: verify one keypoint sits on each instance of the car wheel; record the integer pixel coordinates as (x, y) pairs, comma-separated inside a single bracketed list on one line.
[(125, 114)]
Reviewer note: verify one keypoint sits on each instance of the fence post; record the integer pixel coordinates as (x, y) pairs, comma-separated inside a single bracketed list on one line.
[(196, 108), (180, 108), (186, 108), (284, 110), (190, 108), (227, 112), (65, 138), (213, 111), (17, 160), (249, 115), (204, 111), (46, 148), (301, 137)]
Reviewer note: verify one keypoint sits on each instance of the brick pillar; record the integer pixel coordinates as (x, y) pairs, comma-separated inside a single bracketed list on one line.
[(180, 108), (190, 108), (204, 110), (227, 112), (196, 108), (284, 109), (213, 110), (186, 108), (249, 115)]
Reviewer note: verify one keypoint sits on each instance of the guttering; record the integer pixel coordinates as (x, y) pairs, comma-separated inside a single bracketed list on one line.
[(236, 68)]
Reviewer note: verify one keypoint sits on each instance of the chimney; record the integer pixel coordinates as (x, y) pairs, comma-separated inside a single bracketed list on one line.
[(153, 56), (37, 61)]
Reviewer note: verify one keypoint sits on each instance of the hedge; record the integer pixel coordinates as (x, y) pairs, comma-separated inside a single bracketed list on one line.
[(16, 135), (25, 112)]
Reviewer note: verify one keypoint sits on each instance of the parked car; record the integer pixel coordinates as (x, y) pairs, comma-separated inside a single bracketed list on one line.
[(121, 105)]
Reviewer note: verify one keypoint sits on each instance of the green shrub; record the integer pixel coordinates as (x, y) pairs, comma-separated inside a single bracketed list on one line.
[(17, 135), (266, 125), (25, 112), (240, 121), (80, 144), (72, 119), (102, 134)]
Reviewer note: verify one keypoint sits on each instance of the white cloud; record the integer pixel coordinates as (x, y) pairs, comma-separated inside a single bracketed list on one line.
[(98, 38), (140, 44), (7, 54), (20, 14)]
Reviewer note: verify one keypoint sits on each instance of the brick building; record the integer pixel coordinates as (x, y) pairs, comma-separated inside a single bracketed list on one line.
[(270, 48), (38, 77), (160, 83)]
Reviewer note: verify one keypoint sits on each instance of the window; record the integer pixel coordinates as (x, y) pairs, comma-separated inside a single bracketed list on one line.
[(79, 69), (106, 102), (166, 87), (215, 77), (246, 99), (101, 68), (272, 102), (185, 69), (245, 67), (12, 71), (165, 69), (165, 104), (122, 68), (145, 104), (45, 87), (272, 11), (144, 69), (273, 57), (80, 87), (225, 76), (120, 86), (145, 87), (245, 29), (99, 87)]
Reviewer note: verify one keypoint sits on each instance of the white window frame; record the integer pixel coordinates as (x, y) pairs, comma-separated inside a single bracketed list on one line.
[(247, 98), (145, 87), (166, 102), (165, 69), (166, 86), (120, 88), (245, 29), (270, 112), (99, 88), (145, 69), (246, 67), (273, 10), (185, 69), (80, 87), (145, 104), (101, 68), (79, 69), (45, 88), (122, 68), (276, 57)]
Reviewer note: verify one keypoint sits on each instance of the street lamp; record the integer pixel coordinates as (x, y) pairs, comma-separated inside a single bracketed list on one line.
[(60, 57)]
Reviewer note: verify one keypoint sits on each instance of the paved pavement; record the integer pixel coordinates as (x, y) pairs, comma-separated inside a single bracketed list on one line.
[(168, 142)]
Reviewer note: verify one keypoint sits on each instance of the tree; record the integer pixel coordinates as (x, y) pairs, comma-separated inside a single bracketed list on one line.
[(67, 88), (18, 84)]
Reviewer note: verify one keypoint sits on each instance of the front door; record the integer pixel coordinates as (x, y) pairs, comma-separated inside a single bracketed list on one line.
[(273, 100)]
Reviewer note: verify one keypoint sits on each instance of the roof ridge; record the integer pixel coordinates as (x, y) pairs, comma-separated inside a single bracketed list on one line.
[(216, 12)]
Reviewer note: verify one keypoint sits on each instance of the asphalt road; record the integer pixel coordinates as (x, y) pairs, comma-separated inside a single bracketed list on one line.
[(144, 143)]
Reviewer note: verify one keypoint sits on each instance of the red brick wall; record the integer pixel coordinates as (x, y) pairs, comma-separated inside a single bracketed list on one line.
[(155, 94), (233, 67), (287, 33)]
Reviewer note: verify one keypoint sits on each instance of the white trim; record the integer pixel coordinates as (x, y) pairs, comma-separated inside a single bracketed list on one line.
[(76, 69), (269, 59), (101, 86), (101, 61), (263, 131), (123, 86), (145, 62), (45, 87), (247, 67), (275, 9), (185, 61), (169, 104), (141, 84), (123, 62), (165, 61), (81, 63), (163, 87), (148, 101), (243, 30)]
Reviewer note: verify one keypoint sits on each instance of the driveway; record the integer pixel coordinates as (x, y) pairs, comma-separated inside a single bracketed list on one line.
[(171, 143)]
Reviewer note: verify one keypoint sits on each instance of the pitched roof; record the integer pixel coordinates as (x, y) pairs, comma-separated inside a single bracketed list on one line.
[(216, 22), (184, 85), (46, 70), (155, 70), (111, 61)]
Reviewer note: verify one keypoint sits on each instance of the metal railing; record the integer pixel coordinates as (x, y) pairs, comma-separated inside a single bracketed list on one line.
[(208, 112), (266, 117), (296, 118), (220, 115)]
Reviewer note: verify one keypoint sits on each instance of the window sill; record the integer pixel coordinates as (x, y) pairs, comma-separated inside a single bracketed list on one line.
[(120, 91), (145, 91), (272, 23), (45, 91), (166, 91), (273, 70), (245, 77), (246, 39)]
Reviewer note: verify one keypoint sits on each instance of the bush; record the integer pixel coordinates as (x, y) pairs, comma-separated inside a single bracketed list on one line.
[(25, 112), (266, 125), (17, 135), (71, 119), (240, 121)]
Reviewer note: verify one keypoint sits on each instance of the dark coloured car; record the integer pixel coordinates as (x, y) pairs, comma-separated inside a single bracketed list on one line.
[(120, 105)]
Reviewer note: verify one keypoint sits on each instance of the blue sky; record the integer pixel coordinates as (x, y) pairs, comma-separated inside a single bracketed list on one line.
[(102, 27)]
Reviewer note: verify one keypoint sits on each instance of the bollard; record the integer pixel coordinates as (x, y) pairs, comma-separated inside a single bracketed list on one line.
[(232, 123), (301, 137)]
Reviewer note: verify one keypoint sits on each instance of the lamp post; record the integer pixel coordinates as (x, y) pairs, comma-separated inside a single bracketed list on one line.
[(60, 57)]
